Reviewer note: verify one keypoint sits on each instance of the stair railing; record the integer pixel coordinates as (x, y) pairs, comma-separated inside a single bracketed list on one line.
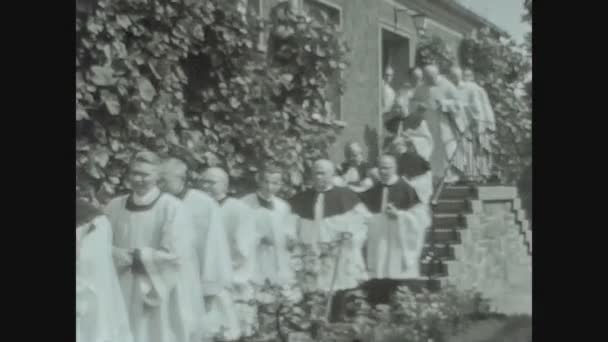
[(441, 185)]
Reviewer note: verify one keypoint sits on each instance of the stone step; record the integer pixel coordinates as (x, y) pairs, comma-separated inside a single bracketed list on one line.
[(434, 270), (452, 221), (457, 206), (379, 291), (443, 236), (457, 192), (442, 252)]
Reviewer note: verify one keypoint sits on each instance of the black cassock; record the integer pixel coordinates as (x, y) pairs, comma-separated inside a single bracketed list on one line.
[(400, 194), (410, 164), (338, 200)]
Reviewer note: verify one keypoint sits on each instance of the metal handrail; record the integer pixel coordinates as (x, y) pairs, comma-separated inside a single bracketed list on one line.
[(437, 191)]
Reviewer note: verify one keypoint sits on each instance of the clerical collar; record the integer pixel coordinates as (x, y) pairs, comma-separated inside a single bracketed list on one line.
[(222, 200), (182, 194), (145, 202), (394, 179), (325, 190), (265, 202)]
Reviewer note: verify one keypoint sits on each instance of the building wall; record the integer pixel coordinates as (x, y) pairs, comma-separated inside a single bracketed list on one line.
[(361, 24)]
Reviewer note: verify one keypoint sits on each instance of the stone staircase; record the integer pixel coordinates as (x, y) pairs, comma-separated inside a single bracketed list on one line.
[(480, 239)]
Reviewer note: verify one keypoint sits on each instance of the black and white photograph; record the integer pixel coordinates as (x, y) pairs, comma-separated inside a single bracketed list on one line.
[(303, 171)]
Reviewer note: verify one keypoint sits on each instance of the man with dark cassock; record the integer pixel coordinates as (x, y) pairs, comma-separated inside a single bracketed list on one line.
[(397, 227), (243, 241), (276, 227), (355, 170), (413, 168), (332, 221), (148, 233), (101, 314), (209, 265)]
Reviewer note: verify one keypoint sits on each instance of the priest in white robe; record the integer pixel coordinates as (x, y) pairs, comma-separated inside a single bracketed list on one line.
[(332, 221), (148, 231), (209, 261), (437, 98), (243, 240), (469, 103), (277, 228), (101, 314), (486, 126), (397, 228)]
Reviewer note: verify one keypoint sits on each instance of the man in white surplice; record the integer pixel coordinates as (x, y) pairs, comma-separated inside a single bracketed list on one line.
[(468, 102), (397, 227), (276, 226), (446, 124), (101, 314), (148, 231), (328, 214), (211, 275), (243, 240), (486, 126)]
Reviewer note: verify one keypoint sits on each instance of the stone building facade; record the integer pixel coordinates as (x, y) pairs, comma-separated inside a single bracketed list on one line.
[(380, 32)]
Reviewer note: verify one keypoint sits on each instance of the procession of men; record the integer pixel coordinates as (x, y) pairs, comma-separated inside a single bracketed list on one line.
[(170, 262)]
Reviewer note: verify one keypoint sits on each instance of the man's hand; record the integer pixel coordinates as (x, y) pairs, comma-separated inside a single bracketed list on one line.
[(391, 211), (290, 244), (137, 265), (266, 241)]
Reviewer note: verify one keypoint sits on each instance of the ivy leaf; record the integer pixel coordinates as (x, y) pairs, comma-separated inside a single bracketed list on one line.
[(234, 102), (102, 76), (146, 89), (81, 114), (123, 21), (111, 102)]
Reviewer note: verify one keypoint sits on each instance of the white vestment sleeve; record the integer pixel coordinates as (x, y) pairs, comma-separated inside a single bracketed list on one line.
[(100, 304), (412, 227), (215, 258), (162, 265)]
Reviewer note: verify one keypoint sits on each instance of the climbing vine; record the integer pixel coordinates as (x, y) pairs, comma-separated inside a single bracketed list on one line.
[(188, 78)]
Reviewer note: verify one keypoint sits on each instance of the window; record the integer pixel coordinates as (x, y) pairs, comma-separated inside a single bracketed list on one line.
[(324, 12), (396, 53)]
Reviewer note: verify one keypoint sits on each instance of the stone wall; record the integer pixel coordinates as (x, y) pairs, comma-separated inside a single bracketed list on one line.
[(494, 256)]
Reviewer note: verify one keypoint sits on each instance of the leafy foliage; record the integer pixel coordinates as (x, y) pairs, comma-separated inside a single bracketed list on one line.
[(188, 79), (501, 68), (431, 49)]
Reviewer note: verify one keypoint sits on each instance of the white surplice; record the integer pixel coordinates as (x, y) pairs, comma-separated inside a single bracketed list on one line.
[(395, 244), (445, 124), (486, 127), (155, 225), (101, 314), (278, 226), (332, 272), (211, 255), (243, 240)]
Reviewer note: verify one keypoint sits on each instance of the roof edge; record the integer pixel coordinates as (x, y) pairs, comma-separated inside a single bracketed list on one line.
[(469, 14)]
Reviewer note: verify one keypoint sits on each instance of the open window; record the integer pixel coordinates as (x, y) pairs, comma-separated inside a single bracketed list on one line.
[(396, 54)]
